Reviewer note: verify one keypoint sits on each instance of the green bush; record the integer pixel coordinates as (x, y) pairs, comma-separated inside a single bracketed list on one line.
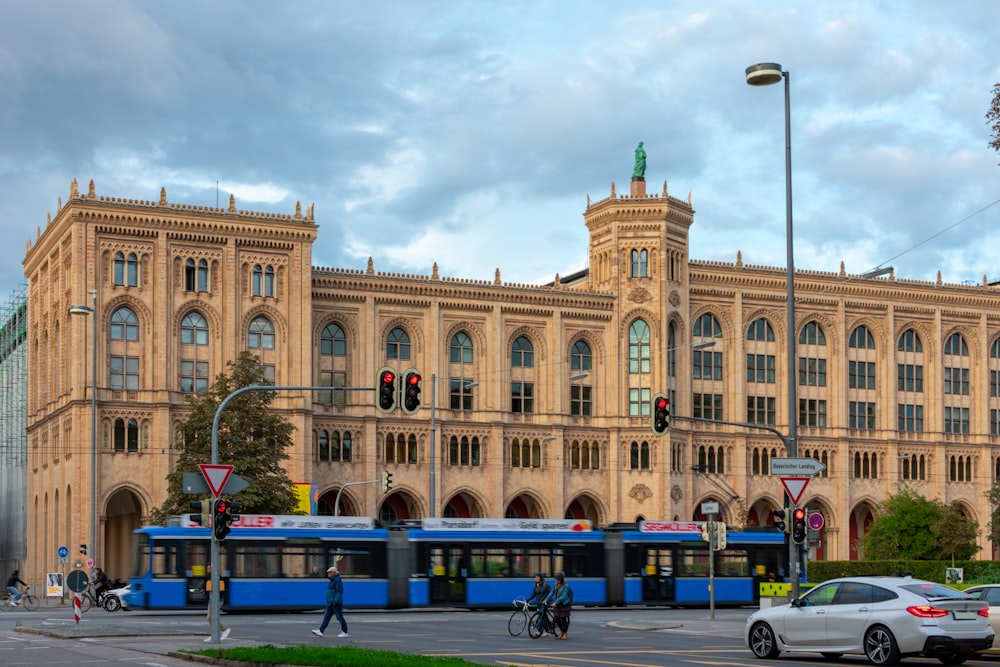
[(975, 571)]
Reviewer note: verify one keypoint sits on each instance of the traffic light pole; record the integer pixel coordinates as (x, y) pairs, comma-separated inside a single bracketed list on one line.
[(214, 600), (788, 442)]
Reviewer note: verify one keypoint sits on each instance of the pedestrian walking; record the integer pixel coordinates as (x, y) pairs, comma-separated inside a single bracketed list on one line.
[(561, 599), (207, 590), (334, 603)]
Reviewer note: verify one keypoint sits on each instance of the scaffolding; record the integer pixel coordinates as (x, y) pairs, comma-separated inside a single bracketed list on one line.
[(13, 430)]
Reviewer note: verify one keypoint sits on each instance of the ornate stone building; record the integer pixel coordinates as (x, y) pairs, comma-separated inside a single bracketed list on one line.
[(537, 397)]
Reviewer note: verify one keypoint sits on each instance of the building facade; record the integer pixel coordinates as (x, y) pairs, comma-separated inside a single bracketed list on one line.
[(535, 399)]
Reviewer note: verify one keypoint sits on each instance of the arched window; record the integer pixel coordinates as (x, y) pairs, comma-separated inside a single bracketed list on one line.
[(522, 354), (861, 338), (124, 325), (522, 386), (397, 345), (256, 281), (194, 370), (706, 326), (194, 329), (323, 445), (461, 348), (126, 436), (126, 269), (390, 448), (812, 334), (119, 268), (581, 400), (260, 335), (760, 329), (269, 281), (640, 264), (202, 275), (332, 365)]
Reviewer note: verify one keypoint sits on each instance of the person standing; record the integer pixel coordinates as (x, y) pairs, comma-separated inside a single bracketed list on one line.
[(334, 603), (562, 604), (540, 595), (12, 581), (207, 590)]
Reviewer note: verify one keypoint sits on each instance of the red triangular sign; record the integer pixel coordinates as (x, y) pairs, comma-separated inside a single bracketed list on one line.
[(794, 486), (217, 476)]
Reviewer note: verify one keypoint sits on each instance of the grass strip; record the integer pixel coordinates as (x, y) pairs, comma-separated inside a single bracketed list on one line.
[(319, 656)]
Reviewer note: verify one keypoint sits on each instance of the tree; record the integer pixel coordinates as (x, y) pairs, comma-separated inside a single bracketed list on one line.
[(907, 526), (993, 116), (956, 534), (252, 440), (993, 497)]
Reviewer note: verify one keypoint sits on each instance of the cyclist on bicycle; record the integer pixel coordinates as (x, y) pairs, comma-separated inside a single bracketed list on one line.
[(539, 594), (101, 583), (12, 581)]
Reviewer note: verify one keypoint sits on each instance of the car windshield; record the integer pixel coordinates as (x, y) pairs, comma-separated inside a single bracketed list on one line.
[(933, 591)]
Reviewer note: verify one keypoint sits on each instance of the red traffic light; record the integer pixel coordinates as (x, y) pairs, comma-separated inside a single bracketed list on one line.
[(661, 402), (800, 514), (388, 377), (413, 378)]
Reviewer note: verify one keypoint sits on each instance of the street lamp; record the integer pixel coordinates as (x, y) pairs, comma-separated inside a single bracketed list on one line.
[(765, 74), (467, 384), (92, 312)]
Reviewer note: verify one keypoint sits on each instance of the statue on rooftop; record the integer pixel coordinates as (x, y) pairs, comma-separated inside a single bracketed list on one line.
[(640, 162)]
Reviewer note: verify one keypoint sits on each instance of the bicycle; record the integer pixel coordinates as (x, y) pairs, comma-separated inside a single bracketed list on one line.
[(520, 618), (107, 600), (542, 622), (28, 601)]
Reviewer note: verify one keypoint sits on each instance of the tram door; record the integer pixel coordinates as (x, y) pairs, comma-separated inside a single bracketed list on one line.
[(658, 575), (448, 571)]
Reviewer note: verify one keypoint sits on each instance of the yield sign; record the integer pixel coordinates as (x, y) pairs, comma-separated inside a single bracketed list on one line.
[(794, 486), (218, 475)]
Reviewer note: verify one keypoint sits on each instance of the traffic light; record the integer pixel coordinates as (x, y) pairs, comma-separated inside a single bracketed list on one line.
[(799, 525), (660, 414), (385, 390), (385, 483), (411, 392), (234, 511), (202, 509), (778, 520), (83, 549), (220, 520)]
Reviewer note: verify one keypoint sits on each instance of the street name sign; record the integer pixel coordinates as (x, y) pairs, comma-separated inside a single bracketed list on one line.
[(796, 467)]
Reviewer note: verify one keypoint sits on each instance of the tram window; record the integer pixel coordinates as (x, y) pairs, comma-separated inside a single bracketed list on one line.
[(166, 561), (488, 563), (692, 563), (257, 560), (140, 556), (525, 562), (732, 563)]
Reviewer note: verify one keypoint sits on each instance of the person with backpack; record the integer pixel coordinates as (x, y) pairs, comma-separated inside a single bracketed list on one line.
[(561, 599)]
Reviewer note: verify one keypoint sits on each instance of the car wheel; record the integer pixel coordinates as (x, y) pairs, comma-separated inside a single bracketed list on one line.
[(762, 641), (881, 647), (831, 656), (954, 658)]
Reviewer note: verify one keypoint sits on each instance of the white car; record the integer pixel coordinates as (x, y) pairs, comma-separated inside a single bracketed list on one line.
[(882, 618), (122, 593), (990, 593)]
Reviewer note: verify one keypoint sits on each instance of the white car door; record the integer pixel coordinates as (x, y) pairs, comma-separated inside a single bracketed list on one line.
[(848, 615), (806, 619)]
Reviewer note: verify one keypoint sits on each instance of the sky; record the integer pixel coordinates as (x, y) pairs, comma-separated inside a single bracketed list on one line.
[(471, 133)]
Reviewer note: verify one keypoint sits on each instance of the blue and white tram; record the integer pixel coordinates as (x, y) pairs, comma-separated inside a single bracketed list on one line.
[(667, 563), (489, 562), (267, 562)]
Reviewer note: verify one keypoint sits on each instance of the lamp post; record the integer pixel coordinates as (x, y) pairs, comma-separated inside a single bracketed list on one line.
[(765, 74), (92, 312)]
